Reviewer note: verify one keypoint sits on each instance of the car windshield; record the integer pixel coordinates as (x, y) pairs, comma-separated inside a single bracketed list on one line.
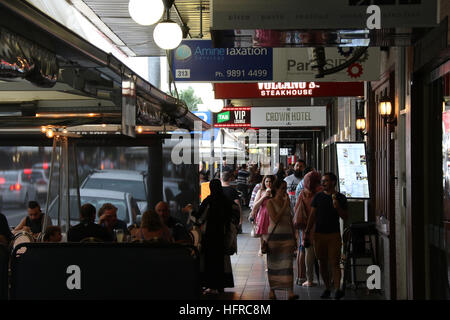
[(136, 188), (122, 211), (37, 175)]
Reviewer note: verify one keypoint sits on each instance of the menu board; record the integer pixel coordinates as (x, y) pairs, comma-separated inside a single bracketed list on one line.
[(352, 169)]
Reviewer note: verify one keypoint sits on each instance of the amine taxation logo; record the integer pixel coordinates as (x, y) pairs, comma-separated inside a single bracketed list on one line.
[(183, 52)]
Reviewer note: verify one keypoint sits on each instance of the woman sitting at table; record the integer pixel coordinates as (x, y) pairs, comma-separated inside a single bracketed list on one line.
[(152, 228)]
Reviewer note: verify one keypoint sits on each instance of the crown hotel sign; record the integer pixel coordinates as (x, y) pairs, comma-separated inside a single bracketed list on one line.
[(289, 117)]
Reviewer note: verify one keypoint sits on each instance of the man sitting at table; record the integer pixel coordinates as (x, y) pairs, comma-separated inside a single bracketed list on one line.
[(177, 230), (34, 220), (87, 228), (108, 218)]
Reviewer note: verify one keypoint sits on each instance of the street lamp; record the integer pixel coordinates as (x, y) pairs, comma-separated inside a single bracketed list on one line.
[(385, 110)]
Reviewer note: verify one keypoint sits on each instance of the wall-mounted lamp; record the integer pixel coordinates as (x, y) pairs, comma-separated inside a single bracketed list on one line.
[(361, 126), (385, 110), (168, 34)]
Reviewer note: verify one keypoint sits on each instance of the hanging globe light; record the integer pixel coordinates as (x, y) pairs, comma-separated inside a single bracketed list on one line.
[(215, 105), (167, 34), (146, 12)]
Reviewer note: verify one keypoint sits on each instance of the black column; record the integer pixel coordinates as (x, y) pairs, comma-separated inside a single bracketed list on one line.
[(155, 174)]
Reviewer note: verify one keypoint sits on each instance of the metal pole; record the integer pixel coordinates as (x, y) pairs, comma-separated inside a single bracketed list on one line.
[(59, 182), (47, 203), (77, 182), (211, 142), (65, 187), (221, 151)]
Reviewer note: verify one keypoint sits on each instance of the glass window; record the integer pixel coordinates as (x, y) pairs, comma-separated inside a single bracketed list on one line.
[(122, 211), (136, 188)]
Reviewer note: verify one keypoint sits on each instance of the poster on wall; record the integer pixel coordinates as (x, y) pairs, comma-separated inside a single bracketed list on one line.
[(353, 179)]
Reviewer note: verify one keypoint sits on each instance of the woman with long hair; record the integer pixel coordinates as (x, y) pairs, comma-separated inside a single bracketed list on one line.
[(311, 186), (214, 214), (153, 228), (281, 242), (259, 211)]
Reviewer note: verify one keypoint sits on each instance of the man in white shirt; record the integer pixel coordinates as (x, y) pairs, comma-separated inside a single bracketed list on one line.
[(294, 179)]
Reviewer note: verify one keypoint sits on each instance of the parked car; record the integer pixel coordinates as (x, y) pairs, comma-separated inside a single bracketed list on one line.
[(41, 183), (17, 187), (127, 208), (134, 182), (131, 181)]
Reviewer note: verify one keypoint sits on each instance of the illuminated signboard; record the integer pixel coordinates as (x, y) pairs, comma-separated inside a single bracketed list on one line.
[(232, 117), (287, 90), (320, 14), (289, 116), (352, 169), (198, 61)]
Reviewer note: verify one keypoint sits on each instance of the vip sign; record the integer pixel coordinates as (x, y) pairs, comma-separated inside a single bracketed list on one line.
[(233, 117)]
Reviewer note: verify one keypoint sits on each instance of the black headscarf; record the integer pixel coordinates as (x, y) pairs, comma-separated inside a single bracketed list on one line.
[(216, 188)]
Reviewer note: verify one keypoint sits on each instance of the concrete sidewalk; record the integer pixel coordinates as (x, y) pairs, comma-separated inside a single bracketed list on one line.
[(250, 276)]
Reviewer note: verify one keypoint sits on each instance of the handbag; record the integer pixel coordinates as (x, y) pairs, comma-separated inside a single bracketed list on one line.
[(265, 243), (300, 220), (253, 233)]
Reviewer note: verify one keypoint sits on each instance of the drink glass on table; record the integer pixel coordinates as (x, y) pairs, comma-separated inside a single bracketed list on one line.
[(118, 233)]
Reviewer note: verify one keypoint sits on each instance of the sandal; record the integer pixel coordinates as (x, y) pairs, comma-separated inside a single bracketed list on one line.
[(309, 284)]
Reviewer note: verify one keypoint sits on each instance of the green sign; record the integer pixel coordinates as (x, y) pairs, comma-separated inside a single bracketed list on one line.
[(223, 117)]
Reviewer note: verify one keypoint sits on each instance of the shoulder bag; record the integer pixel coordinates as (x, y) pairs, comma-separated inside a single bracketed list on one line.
[(300, 220)]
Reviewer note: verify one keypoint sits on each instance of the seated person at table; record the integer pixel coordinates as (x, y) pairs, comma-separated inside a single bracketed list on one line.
[(5, 233), (87, 228), (152, 228), (177, 230), (53, 234), (34, 220), (108, 218)]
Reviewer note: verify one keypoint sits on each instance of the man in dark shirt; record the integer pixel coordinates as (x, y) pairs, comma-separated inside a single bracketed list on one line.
[(177, 230), (107, 217), (34, 221), (87, 227), (242, 181), (327, 207)]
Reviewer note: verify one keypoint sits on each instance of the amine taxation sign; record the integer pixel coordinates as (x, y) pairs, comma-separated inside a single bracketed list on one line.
[(232, 117), (287, 90)]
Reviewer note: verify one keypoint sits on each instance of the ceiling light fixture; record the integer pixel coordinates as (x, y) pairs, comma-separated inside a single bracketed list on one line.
[(167, 34), (146, 12)]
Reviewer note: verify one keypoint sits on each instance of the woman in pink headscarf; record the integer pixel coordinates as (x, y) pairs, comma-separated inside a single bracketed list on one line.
[(311, 185)]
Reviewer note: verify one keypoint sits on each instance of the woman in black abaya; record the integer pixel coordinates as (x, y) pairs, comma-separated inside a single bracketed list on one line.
[(214, 214)]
